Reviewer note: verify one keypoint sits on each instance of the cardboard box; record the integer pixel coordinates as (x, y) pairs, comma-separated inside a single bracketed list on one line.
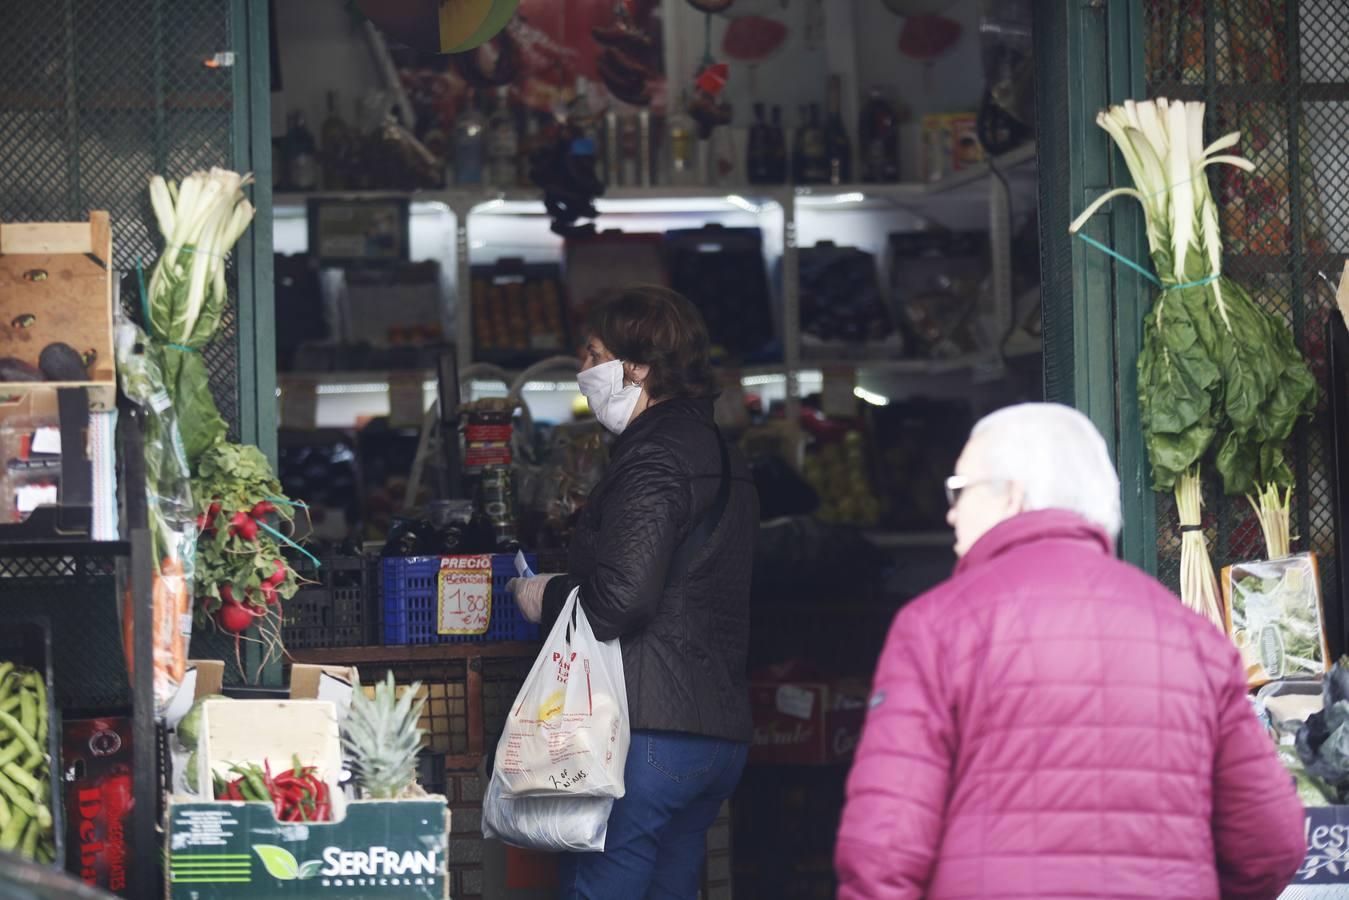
[(98, 759), (223, 850), (805, 720), (56, 286), (238, 851)]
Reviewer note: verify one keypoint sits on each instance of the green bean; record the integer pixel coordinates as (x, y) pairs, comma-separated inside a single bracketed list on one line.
[(23, 779), (44, 816), (10, 704), (8, 721), (17, 796), (5, 669), (4, 811), (40, 690), (33, 763), (29, 847), (9, 837), (27, 711)]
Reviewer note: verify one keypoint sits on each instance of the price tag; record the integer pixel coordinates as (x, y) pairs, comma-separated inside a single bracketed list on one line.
[(407, 401), (836, 397), (299, 403), (795, 701), (464, 595)]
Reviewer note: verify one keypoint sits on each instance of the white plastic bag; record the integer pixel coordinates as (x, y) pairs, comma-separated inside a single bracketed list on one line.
[(553, 824), (567, 733)]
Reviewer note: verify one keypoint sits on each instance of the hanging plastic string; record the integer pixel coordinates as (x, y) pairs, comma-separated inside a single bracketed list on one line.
[(299, 504), (1144, 272), (281, 537), (145, 308)]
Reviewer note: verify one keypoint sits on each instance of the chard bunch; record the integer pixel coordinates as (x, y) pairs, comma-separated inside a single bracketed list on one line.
[(1216, 372)]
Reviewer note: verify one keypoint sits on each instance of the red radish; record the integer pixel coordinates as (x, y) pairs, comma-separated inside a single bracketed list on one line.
[(268, 593), (213, 510), (234, 618), (262, 508), (277, 577), (227, 593), (249, 530)]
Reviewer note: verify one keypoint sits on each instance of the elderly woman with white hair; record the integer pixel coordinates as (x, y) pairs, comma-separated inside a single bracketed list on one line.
[(1052, 723)]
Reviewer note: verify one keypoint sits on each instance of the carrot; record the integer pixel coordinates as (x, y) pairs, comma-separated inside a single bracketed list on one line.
[(169, 603)]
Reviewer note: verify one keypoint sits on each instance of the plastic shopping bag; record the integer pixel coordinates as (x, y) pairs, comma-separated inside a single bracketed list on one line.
[(567, 733), (553, 824)]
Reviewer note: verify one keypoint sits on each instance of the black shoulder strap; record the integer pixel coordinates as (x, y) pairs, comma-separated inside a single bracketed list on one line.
[(702, 532)]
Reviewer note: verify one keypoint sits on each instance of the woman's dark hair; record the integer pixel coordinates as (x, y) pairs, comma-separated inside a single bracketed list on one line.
[(657, 327)]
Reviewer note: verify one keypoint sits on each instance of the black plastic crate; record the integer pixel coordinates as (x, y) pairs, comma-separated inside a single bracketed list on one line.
[(341, 610)]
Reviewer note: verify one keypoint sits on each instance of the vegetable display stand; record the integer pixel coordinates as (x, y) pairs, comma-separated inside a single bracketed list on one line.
[(74, 585)]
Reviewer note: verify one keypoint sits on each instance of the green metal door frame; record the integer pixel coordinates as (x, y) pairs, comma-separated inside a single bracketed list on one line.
[(1090, 55), (249, 21)]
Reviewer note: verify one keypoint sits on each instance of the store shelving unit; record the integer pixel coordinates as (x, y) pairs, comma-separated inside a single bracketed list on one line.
[(996, 185)]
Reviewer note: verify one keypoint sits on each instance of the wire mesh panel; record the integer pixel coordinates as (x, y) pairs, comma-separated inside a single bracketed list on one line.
[(94, 98), (1273, 70)]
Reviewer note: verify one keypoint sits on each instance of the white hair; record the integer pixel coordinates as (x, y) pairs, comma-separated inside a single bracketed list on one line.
[(1057, 456)]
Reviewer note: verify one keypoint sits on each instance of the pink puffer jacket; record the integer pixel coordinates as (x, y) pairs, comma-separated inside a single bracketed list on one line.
[(1052, 723)]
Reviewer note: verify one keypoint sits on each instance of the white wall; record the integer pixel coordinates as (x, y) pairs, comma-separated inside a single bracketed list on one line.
[(320, 51)]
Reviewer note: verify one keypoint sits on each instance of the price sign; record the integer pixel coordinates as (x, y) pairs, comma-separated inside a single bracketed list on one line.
[(464, 595)]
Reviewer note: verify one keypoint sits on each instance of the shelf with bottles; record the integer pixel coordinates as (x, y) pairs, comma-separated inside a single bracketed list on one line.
[(1018, 166)]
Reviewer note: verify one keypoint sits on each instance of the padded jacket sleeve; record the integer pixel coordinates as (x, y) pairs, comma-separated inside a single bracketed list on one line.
[(898, 787), (645, 512), (1258, 830)]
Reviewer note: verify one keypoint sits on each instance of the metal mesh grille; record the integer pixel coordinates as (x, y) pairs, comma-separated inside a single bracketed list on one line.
[(1270, 69), (94, 98)]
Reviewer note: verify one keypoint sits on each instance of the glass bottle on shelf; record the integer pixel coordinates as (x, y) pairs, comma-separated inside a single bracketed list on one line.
[(777, 149), (302, 165), (470, 144), (681, 153), (529, 143), (758, 162), (836, 137), (336, 146), (878, 139), (503, 143), (810, 153)]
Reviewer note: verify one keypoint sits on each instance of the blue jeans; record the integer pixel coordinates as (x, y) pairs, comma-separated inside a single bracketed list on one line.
[(656, 843)]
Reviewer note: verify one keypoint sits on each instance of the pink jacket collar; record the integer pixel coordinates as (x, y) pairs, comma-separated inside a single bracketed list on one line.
[(1032, 527)]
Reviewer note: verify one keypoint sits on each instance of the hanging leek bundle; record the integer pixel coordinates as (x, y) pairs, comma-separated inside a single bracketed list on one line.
[(1216, 372)]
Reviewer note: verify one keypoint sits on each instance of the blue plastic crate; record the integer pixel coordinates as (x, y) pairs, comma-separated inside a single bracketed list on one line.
[(410, 603)]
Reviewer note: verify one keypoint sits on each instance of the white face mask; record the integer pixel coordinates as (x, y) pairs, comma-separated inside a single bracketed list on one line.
[(610, 399)]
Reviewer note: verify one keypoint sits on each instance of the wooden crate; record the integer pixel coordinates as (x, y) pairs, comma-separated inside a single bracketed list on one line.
[(56, 286)]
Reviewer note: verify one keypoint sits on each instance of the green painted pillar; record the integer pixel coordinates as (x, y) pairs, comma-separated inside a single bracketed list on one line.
[(1089, 54)]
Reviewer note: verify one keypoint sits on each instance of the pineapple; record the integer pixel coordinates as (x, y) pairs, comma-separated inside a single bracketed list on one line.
[(381, 738)]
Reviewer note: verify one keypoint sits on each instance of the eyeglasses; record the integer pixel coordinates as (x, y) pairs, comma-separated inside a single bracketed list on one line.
[(956, 485)]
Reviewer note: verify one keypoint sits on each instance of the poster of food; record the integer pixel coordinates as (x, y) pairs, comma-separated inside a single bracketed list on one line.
[(615, 46), (1273, 611)]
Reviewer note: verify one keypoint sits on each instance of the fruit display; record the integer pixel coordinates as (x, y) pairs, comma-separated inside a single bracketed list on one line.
[(839, 471), (26, 824), (381, 738), (517, 312)]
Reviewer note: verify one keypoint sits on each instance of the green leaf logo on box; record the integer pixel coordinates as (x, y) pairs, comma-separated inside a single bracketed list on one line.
[(282, 865)]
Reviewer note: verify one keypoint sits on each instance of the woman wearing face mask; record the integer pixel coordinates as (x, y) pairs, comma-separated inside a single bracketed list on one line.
[(662, 556)]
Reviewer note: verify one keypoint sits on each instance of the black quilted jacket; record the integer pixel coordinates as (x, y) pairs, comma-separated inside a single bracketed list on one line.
[(684, 634)]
